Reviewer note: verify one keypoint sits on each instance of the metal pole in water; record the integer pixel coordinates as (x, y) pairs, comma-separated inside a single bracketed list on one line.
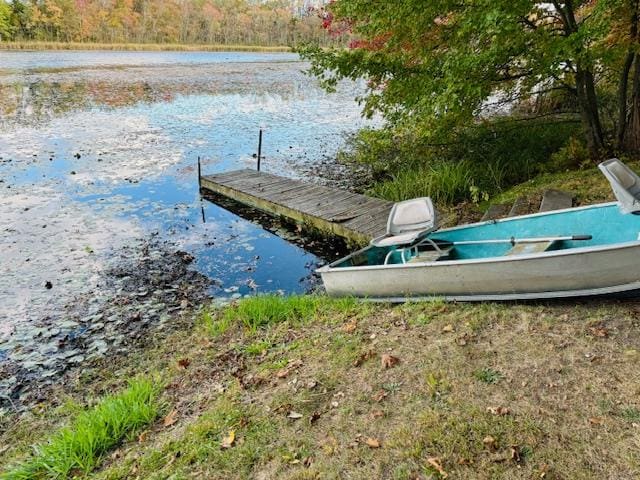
[(259, 148), (199, 173)]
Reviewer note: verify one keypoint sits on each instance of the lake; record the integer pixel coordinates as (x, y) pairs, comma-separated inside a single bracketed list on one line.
[(101, 219)]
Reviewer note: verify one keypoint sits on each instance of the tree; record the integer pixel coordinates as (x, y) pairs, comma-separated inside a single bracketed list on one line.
[(5, 21), (440, 62)]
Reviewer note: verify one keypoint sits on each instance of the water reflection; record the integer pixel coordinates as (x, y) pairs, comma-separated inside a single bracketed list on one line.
[(94, 159)]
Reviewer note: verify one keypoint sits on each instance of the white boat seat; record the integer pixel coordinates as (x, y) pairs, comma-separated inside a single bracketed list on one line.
[(528, 248), (625, 184), (408, 222)]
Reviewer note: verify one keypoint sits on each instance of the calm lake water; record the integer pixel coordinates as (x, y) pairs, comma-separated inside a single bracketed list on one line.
[(97, 158)]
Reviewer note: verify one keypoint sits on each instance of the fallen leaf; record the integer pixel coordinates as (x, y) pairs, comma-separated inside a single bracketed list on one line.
[(596, 421), (448, 329), (171, 418), (435, 462), (311, 384), (143, 436), (599, 331), (379, 395), (184, 362), (373, 442), (294, 415), (229, 440), (377, 414), (498, 411), (515, 453), (369, 354), (464, 461), (308, 462), (283, 373), (350, 327), (489, 442), (315, 416), (389, 361)]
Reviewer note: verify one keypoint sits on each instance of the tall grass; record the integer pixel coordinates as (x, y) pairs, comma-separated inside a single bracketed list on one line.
[(38, 45), (445, 182), (263, 310), (476, 162), (81, 446)]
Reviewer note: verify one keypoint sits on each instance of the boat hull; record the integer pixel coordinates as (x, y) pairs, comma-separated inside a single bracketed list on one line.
[(555, 274)]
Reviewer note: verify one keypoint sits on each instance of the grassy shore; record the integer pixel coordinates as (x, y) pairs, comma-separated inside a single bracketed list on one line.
[(309, 387), (33, 45)]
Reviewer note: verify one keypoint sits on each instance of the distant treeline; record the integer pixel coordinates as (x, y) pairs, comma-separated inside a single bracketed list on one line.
[(223, 22)]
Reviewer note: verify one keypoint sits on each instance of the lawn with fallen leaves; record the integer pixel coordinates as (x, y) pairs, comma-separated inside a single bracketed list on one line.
[(364, 391)]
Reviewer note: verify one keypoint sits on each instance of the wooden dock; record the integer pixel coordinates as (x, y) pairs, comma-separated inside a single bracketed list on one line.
[(354, 217)]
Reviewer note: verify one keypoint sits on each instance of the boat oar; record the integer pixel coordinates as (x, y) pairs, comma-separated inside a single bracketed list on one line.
[(515, 241)]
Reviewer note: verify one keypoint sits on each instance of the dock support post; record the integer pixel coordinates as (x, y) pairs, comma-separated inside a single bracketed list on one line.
[(259, 148), (199, 174)]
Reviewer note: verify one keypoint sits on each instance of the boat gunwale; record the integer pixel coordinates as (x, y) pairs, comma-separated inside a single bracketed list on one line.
[(525, 296), (332, 267)]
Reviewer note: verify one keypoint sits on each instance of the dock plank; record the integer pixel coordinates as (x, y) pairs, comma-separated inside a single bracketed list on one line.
[(556, 200), (353, 216)]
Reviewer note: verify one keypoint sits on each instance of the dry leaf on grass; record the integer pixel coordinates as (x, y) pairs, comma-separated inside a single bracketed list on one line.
[(184, 362), (143, 436), (596, 421), (315, 416), (377, 414), (489, 442), (373, 442), (515, 453), (498, 411), (284, 373), (601, 332), (294, 415), (229, 440), (171, 418), (389, 361), (350, 327), (435, 462), (448, 329), (369, 354), (379, 395)]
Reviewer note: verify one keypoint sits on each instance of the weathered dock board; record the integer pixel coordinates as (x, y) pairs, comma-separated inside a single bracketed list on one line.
[(355, 217)]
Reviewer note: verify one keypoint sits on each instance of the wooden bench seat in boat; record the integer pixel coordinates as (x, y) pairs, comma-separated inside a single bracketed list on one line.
[(528, 248), (430, 255)]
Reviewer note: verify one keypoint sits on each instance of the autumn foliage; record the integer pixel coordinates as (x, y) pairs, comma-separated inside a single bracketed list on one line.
[(224, 22)]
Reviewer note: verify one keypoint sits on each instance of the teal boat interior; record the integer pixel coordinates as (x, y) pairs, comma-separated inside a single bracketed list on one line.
[(599, 225)]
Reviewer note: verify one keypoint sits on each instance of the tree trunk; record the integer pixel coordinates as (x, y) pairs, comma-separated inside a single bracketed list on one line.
[(622, 99), (588, 102), (632, 130), (628, 133)]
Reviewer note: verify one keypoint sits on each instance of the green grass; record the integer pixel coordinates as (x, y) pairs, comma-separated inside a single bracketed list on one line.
[(81, 446), (470, 164), (445, 182), (37, 45), (488, 375), (631, 414), (263, 310), (200, 444)]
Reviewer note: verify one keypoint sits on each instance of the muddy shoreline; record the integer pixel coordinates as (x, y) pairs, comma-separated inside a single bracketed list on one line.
[(150, 289)]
